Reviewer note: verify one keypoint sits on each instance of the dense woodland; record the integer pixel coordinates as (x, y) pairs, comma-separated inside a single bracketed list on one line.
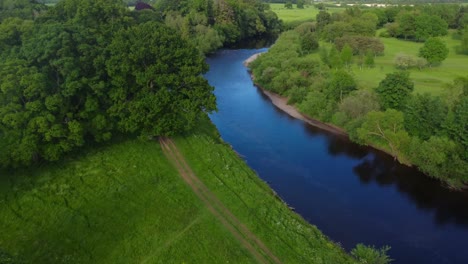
[(81, 72), (429, 131)]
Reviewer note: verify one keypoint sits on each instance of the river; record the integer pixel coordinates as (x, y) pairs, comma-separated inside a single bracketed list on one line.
[(352, 193)]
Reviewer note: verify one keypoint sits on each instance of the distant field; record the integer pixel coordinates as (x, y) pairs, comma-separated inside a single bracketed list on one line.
[(125, 203), (431, 80), (296, 14)]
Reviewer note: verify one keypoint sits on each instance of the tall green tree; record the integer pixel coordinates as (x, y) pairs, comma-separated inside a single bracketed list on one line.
[(425, 116), (394, 90), (434, 51), (157, 89), (429, 26), (346, 55), (341, 84)]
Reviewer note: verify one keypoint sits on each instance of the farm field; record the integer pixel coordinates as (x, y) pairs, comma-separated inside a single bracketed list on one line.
[(296, 14)]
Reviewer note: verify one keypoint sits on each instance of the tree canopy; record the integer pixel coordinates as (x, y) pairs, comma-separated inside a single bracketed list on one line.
[(88, 70), (434, 51)]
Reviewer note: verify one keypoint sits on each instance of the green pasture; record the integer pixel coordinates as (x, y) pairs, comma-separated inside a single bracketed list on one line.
[(125, 203), (431, 79), (296, 14)]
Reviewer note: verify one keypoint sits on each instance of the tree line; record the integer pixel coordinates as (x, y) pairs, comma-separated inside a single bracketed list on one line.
[(85, 71)]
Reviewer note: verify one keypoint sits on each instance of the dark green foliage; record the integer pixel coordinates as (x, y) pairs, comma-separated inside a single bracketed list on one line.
[(210, 24), (429, 26), (425, 115), (371, 255), (77, 77), (300, 3), (157, 89), (394, 90), (288, 5), (309, 43), (340, 85), (434, 51), (323, 18)]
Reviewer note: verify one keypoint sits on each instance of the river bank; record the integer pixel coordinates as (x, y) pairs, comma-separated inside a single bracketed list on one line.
[(281, 102)]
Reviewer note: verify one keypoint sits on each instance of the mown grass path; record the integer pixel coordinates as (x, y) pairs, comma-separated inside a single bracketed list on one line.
[(251, 242)]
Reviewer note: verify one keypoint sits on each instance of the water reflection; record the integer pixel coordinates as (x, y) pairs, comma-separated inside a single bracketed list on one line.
[(450, 206)]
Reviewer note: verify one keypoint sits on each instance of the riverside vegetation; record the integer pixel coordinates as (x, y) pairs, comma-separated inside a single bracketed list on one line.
[(85, 87), (335, 70)]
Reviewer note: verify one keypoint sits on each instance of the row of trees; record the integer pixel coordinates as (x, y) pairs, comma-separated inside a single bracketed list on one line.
[(87, 70), (428, 131)]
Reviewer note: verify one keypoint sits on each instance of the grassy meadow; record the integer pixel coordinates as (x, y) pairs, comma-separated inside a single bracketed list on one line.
[(125, 203), (297, 14), (429, 80)]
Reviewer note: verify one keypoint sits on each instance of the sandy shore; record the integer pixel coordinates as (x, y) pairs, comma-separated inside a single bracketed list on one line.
[(252, 58), (282, 103)]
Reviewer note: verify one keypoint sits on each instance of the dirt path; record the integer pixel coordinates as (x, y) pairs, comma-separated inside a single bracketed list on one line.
[(251, 242)]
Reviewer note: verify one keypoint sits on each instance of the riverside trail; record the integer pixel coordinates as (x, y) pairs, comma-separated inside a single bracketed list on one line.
[(251, 242)]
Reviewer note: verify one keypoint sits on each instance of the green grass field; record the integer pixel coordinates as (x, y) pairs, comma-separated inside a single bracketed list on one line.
[(125, 203), (431, 80), (297, 14)]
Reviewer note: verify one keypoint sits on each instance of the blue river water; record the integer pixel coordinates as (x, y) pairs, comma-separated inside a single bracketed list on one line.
[(352, 193)]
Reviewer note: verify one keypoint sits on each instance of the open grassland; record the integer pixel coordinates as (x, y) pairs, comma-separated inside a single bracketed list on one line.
[(431, 79), (297, 14), (125, 203)]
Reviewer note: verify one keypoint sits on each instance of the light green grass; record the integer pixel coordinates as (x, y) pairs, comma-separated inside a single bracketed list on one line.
[(431, 80), (297, 14), (125, 203)]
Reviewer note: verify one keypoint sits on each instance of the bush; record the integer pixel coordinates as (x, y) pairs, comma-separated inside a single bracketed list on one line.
[(371, 255)]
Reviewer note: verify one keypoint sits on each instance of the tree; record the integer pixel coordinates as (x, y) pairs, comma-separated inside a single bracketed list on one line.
[(300, 4), (157, 89), (340, 85), (346, 55), (385, 130), (334, 58), (394, 90), (429, 26), (434, 51), (323, 18), (425, 115), (309, 43), (288, 5), (406, 24)]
